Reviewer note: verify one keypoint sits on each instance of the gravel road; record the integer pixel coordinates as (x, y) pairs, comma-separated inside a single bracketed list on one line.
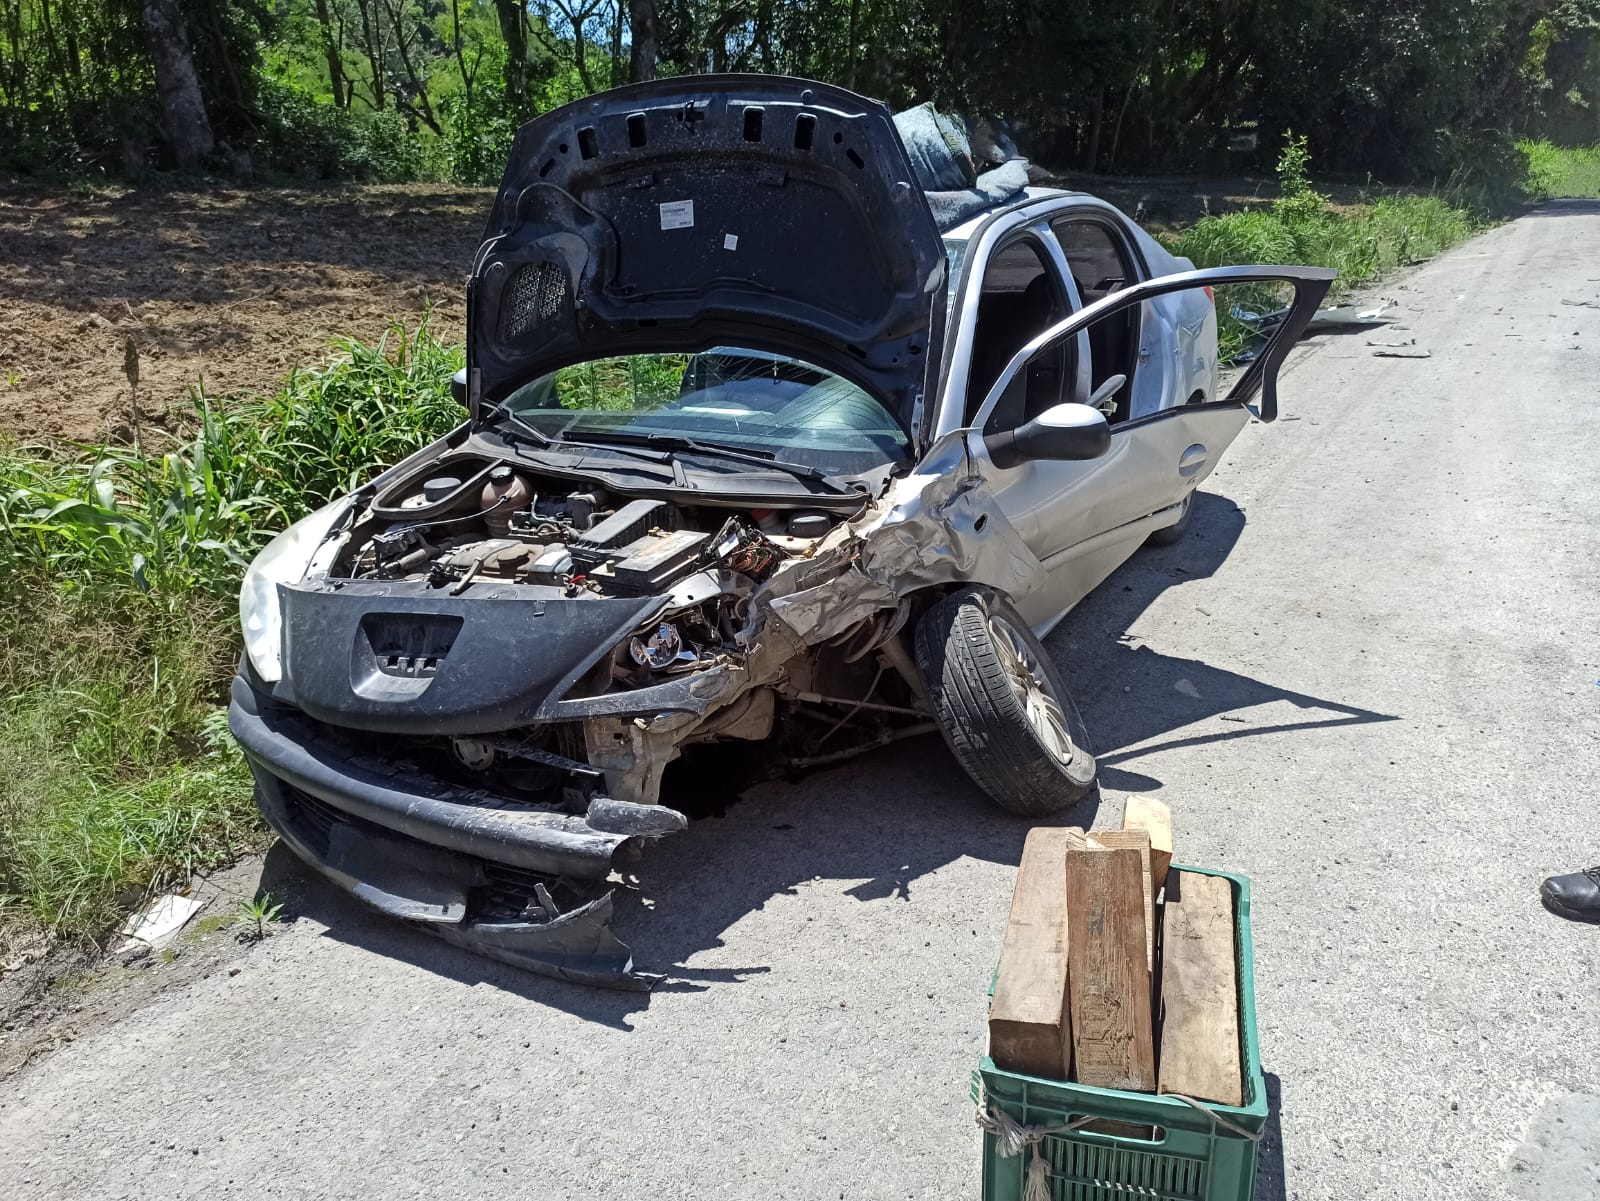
[(1367, 680)]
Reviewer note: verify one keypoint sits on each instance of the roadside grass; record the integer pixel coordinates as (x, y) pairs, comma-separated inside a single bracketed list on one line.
[(1561, 171), (1364, 242), (1393, 232), (120, 565)]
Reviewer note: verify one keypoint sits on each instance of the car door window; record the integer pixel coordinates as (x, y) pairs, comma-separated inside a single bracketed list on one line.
[(1101, 265), (1020, 299)]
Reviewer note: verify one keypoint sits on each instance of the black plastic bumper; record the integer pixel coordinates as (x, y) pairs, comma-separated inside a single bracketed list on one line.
[(423, 850)]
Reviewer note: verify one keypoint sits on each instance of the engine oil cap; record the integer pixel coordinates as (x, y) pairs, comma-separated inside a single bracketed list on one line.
[(439, 487)]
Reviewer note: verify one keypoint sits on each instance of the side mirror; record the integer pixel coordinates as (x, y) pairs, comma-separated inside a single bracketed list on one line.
[(1061, 432), (458, 387)]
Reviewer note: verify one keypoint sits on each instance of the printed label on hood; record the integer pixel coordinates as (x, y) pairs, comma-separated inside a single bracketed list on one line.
[(677, 214)]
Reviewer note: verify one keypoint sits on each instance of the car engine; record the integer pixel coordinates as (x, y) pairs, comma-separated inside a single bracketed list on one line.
[(468, 521)]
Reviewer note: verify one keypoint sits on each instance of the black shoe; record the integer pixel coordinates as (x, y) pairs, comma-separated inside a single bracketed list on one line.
[(1576, 897)]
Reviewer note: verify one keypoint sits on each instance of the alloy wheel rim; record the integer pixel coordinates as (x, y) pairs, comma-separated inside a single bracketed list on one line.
[(1031, 687)]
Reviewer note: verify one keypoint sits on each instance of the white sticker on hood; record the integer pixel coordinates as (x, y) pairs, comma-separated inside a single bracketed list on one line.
[(730, 241), (677, 214)]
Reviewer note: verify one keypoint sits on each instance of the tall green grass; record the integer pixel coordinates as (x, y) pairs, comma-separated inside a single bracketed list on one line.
[(1362, 245), (120, 565), (1559, 170), (1393, 232)]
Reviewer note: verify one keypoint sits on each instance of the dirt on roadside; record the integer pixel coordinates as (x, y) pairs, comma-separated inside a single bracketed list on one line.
[(66, 991), (233, 286)]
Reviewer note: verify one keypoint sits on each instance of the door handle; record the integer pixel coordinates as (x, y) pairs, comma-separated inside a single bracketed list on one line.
[(1192, 460)]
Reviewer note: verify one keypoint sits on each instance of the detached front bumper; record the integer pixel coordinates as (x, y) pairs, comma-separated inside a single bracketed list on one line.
[(474, 869)]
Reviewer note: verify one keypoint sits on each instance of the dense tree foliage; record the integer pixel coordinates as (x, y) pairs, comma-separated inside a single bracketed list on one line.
[(394, 89)]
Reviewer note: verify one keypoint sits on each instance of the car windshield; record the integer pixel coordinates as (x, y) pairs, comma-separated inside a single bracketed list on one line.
[(766, 404)]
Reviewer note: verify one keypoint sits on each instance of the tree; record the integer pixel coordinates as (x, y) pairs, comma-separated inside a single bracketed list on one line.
[(183, 111), (642, 33), (330, 50), (514, 29)]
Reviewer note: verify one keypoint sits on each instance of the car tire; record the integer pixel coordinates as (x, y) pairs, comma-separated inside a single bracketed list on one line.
[(1169, 535), (1002, 706)]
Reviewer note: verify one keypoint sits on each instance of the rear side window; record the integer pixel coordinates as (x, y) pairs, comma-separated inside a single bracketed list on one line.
[(1098, 260)]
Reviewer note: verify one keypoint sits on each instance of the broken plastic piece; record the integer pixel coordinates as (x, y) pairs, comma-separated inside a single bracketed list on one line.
[(158, 923)]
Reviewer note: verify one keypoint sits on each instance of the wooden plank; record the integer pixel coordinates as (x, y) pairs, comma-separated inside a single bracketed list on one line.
[(1135, 840), (1107, 972), (1030, 1030), (1155, 818), (1200, 991)]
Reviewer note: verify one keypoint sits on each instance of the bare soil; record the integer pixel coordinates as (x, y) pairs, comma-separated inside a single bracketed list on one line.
[(231, 287), (236, 287)]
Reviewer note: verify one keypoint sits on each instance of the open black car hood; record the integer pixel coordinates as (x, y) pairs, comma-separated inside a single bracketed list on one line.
[(749, 210)]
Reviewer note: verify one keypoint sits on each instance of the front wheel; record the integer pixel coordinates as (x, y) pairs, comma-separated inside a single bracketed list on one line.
[(1002, 706)]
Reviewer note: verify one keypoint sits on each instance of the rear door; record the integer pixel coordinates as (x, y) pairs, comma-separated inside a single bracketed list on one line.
[(1082, 519)]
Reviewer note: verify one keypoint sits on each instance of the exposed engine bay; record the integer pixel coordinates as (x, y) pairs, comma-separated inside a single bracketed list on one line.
[(476, 527), (472, 517), (473, 521)]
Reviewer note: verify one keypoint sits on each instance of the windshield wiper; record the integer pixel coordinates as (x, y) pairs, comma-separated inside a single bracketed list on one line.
[(523, 431), (756, 458), (499, 412)]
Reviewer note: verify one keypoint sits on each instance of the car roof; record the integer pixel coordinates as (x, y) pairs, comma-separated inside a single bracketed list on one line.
[(967, 228)]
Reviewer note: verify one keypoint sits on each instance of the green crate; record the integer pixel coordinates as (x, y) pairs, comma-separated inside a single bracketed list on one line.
[(1188, 1157)]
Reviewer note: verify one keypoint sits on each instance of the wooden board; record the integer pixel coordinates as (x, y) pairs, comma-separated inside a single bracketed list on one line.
[(1107, 972), (1155, 818), (1135, 840), (1029, 1027), (1200, 991)]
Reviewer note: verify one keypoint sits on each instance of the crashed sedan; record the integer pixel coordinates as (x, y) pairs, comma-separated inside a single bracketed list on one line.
[(755, 452)]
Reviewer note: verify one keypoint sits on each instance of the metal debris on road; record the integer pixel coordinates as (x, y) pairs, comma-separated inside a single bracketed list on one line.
[(1344, 316)]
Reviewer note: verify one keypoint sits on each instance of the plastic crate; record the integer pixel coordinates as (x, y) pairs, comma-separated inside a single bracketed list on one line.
[(1188, 1157)]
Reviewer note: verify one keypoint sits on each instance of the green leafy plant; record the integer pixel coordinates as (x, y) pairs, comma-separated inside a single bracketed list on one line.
[(1362, 245), (1297, 199), (255, 916)]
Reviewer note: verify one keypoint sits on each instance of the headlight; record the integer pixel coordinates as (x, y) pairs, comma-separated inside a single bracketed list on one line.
[(660, 648), (284, 560)]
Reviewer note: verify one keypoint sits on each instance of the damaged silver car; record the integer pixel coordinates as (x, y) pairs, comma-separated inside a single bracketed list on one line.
[(754, 452)]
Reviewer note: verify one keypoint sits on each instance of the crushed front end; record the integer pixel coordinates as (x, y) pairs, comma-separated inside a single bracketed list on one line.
[(463, 689), (464, 682)]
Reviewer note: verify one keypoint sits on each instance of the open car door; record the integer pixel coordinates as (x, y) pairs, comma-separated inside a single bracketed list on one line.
[(1084, 518)]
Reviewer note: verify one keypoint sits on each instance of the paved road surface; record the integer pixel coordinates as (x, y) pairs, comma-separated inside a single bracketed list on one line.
[(1368, 681)]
